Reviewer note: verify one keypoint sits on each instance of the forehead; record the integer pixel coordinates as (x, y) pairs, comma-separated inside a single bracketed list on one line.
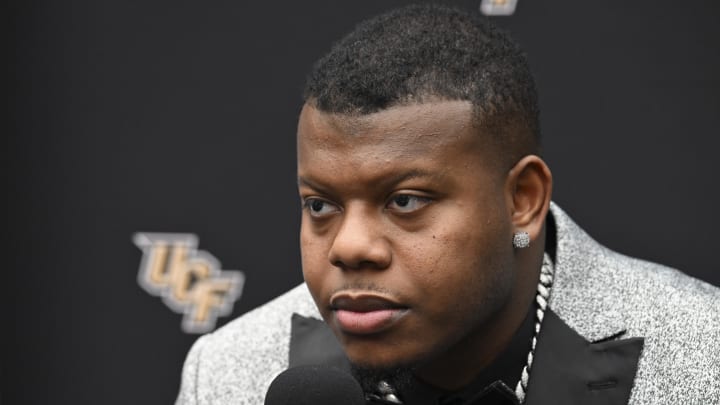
[(409, 131)]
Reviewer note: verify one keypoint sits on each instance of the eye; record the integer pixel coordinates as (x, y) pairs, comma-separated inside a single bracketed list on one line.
[(406, 203), (319, 208)]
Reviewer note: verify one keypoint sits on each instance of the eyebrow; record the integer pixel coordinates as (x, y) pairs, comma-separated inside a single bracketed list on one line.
[(385, 181), (412, 174)]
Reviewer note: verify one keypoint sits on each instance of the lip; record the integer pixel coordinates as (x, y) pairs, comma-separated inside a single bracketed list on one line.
[(365, 314)]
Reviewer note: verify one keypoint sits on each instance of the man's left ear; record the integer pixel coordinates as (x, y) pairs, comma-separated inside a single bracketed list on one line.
[(529, 188)]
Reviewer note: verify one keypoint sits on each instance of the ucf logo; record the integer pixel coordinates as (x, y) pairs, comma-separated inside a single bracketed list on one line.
[(189, 280), (498, 7)]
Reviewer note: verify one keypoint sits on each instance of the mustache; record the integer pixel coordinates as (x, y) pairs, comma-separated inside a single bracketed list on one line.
[(364, 286)]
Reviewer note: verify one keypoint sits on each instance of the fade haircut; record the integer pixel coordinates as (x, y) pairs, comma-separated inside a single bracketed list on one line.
[(425, 53)]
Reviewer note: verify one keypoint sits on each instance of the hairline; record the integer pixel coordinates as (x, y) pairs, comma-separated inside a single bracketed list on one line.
[(484, 122)]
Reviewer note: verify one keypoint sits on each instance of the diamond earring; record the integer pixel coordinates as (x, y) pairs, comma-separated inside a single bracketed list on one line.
[(521, 240)]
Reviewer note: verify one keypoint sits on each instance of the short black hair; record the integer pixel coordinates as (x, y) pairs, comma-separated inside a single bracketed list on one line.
[(428, 52)]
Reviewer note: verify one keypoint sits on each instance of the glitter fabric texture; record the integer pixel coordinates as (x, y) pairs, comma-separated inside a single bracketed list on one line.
[(596, 291)]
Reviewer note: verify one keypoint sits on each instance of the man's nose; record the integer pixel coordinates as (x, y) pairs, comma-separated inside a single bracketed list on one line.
[(360, 242)]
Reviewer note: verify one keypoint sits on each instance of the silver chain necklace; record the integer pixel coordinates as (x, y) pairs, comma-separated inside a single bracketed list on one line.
[(547, 272)]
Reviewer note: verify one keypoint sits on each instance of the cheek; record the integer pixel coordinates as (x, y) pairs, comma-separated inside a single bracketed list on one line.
[(313, 244), (314, 261), (463, 267)]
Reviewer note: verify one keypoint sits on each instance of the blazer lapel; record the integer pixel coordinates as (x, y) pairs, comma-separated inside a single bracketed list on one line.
[(568, 369), (313, 343)]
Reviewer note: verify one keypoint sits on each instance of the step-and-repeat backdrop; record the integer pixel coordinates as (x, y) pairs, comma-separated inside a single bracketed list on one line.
[(151, 153)]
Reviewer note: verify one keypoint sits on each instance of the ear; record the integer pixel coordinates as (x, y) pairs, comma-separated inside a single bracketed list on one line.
[(528, 191)]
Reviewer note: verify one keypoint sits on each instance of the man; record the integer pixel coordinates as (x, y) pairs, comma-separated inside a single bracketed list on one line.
[(433, 254)]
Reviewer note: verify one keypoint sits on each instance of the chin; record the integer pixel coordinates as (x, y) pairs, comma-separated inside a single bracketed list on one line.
[(369, 353), (372, 361)]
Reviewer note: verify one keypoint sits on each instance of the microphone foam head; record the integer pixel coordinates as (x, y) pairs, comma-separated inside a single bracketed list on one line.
[(316, 385)]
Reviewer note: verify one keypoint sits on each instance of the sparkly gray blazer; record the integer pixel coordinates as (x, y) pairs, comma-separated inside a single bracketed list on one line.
[(602, 297)]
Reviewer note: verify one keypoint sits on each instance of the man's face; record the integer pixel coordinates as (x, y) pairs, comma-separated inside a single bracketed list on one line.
[(406, 234)]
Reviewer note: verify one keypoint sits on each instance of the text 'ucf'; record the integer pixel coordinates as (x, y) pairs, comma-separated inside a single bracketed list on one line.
[(190, 281)]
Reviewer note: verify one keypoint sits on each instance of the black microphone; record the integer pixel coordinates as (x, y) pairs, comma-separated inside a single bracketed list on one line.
[(314, 385)]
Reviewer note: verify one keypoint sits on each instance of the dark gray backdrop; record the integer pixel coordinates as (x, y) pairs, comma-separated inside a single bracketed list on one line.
[(179, 116)]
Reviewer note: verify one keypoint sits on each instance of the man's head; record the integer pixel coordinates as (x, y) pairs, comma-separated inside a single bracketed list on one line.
[(428, 53), (416, 164)]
